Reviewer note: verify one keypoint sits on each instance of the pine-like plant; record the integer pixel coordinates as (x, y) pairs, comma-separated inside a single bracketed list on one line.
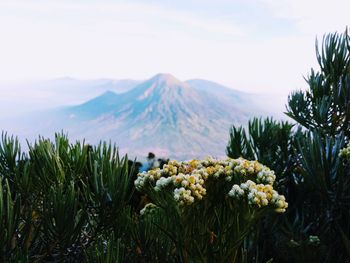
[(306, 158), (324, 111)]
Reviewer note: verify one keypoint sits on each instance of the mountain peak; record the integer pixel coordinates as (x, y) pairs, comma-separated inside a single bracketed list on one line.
[(161, 86), (166, 78)]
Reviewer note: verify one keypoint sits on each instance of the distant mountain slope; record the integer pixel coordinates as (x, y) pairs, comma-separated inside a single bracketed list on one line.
[(80, 86), (41, 95), (239, 98), (218, 90), (262, 104), (163, 114)]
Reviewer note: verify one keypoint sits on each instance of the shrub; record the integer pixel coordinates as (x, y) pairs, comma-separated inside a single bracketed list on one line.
[(209, 206), (312, 175), (57, 200)]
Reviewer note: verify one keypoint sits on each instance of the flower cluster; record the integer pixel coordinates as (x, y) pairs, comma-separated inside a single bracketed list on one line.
[(259, 195), (150, 176), (345, 152), (188, 180), (183, 196), (249, 169), (163, 182)]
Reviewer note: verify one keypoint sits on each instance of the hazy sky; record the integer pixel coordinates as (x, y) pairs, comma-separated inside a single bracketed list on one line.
[(254, 45)]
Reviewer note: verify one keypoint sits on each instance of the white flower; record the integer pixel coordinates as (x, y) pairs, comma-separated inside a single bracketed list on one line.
[(264, 202), (252, 181), (236, 191), (184, 183)]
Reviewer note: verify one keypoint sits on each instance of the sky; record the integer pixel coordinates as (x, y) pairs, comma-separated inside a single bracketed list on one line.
[(251, 45)]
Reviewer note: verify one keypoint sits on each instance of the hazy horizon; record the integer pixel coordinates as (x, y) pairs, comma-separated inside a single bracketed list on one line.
[(40, 95), (161, 114)]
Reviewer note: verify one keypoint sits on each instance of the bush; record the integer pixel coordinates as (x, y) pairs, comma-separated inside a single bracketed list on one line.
[(208, 207), (63, 202), (60, 198), (312, 175)]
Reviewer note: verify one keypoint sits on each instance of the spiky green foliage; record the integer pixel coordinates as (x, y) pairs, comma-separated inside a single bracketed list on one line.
[(268, 141), (106, 249), (311, 174), (326, 115), (58, 199), (325, 105), (9, 219)]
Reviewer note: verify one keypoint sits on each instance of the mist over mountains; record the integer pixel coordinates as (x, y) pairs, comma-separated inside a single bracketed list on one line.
[(162, 114)]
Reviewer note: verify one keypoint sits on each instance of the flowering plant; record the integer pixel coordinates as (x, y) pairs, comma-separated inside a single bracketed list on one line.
[(210, 204)]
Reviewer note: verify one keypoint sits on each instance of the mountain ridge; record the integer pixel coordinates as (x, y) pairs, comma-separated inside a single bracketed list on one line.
[(165, 113), (162, 114)]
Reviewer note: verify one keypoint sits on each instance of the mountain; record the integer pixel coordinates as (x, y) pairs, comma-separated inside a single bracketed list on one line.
[(263, 104), (162, 115), (222, 92)]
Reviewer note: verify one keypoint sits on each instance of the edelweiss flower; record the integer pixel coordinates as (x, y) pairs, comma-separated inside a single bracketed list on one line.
[(251, 181)]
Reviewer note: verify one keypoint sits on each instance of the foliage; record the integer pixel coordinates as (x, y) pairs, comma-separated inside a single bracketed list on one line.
[(325, 105), (58, 199), (209, 206), (63, 202), (311, 173), (268, 141), (274, 143)]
